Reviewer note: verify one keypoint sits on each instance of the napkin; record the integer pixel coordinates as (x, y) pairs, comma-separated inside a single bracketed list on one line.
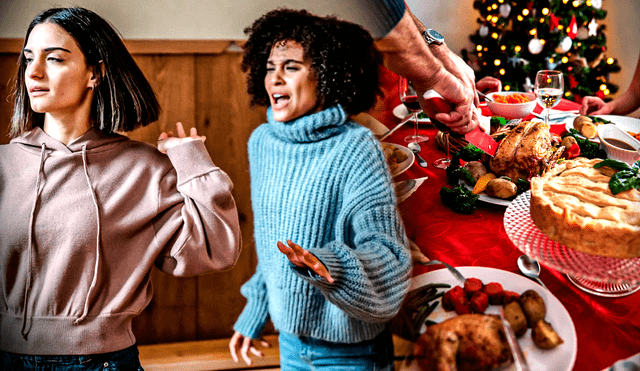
[(406, 194)]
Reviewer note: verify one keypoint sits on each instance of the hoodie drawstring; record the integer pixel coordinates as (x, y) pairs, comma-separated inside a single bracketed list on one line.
[(27, 288), (96, 267)]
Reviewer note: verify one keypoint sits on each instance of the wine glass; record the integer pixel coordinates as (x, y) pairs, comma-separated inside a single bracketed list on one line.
[(409, 98), (444, 162), (549, 87)]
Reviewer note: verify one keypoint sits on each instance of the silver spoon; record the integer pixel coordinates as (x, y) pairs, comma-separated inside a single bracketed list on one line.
[(415, 148), (530, 268)]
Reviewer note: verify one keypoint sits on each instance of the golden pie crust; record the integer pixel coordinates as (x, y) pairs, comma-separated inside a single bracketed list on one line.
[(572, 204)]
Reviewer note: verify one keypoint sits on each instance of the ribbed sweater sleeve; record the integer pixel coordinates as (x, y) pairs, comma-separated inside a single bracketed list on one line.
[(255, 314)]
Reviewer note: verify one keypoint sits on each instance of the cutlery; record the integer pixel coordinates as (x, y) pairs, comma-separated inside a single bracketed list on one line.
[(406, 119), (530, 268), (415, 148), (486, 97), (456, 273), (435, 103), (518, 357), (404, 186)]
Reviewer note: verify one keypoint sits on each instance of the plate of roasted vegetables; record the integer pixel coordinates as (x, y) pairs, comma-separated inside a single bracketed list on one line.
[(542, 324)]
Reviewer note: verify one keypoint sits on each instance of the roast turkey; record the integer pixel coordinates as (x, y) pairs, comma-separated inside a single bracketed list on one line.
[(528, 150), (468, 342)]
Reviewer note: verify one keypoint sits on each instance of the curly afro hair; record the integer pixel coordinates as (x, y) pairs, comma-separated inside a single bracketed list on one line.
[(343, 57)]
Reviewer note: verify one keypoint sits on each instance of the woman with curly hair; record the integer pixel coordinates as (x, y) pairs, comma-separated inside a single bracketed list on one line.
[(333, 257)]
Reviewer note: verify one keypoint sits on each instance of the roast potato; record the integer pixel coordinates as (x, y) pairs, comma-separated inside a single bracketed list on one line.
[(581, 120), (501, 188), (514, 315), (544, 336), (533, 307), (476, 168)]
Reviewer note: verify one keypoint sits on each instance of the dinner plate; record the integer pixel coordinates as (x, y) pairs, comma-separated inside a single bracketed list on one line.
[(401, 112), (628, 124), (486, 198), (404, 165), (560, 358)]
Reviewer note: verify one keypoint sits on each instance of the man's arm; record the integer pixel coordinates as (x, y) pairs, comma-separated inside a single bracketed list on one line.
[(406, 53)]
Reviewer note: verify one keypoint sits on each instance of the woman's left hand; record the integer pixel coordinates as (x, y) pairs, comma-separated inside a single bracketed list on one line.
[(167, 140), (303, 258)]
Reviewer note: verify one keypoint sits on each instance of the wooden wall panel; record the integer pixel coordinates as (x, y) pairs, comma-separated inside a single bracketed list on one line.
[(8, 68)]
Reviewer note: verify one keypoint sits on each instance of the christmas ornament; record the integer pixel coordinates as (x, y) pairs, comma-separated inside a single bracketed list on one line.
[(593, 27), (596, 4), (564, 45), (573, 83), (535, 46), (583, 33), (505, 10), (483, 31), (596, 61), (551, 65), (528, 86), (572, 29), (554, 22)]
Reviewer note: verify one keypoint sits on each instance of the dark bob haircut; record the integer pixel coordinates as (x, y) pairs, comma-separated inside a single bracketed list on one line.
[(123, 99), (343, 57)]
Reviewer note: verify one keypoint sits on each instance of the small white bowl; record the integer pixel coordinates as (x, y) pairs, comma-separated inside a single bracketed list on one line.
[(609, 132), (511, 110)]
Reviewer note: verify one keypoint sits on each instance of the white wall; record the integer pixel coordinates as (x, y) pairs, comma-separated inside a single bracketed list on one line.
[(217, 19)]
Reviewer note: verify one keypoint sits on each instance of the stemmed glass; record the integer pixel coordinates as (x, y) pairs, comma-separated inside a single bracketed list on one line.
[(549, 87), (409, 98), (444, 162)]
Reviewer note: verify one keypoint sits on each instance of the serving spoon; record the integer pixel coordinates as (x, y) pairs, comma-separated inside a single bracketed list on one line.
[(530, 268)]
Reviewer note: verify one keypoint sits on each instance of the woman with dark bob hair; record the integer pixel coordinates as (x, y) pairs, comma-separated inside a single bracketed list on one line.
[(86, 212), (333, 257)]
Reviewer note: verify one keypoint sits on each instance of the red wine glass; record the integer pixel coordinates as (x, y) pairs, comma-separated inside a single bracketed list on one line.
[(409, 98)]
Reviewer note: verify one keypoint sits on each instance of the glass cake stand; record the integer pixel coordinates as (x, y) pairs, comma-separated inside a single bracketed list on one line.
[(597, 275)]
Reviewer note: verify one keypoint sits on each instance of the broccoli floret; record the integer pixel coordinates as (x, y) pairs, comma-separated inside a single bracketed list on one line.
[(470, 153), (459, 199), (588, 148)]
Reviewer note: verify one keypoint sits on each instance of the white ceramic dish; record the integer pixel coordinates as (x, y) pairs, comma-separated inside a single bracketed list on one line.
[(486, 198), (404, 165), (623, 122), (401, 112), (511, 110), (607, 133), (561, 358)]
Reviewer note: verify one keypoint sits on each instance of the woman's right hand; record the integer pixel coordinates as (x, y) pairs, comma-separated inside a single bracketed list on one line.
[(245, 345), (168, 140)]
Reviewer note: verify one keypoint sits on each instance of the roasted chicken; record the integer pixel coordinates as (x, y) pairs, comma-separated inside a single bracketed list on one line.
[(528, 150), (468, 342)]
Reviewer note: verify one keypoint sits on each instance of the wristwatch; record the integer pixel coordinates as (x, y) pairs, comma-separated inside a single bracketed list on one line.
[(432, 37)]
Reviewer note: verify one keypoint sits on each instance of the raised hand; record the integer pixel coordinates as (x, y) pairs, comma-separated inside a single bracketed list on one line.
[(168, 140), (303, 258)]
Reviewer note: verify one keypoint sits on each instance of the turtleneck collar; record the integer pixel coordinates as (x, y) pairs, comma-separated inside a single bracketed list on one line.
[(309, 128)]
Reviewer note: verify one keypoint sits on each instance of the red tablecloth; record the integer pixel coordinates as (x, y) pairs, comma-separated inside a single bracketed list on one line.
[(608, 329)]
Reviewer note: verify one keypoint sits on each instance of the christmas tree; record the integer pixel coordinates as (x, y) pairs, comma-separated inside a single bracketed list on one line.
[(517, 38)]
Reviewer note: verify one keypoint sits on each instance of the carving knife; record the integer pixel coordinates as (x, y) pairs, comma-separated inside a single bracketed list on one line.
[(436, 104)]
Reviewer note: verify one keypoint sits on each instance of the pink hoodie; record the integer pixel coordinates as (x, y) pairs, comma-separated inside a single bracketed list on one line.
[(82, 225)]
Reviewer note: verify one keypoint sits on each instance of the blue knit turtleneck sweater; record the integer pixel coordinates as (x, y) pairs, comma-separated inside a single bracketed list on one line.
[(322, 182)]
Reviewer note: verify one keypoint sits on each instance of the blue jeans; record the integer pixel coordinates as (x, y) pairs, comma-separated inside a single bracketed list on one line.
[(123, 360), (298, 353)]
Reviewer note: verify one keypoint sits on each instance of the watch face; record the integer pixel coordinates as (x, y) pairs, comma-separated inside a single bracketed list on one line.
[(434, 36)]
